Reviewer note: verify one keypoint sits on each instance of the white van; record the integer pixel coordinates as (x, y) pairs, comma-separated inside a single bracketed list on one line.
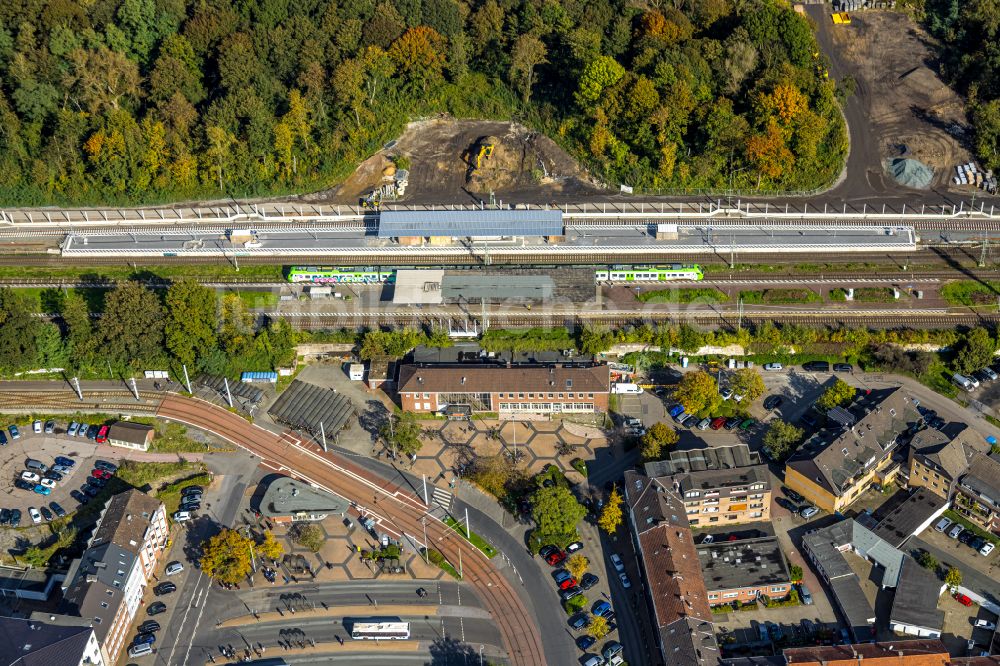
[(140, 650), (963, 382), (627, 389)]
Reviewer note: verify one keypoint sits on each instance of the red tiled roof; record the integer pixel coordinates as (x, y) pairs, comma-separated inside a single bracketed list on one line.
[(497, 378), (923, 652)]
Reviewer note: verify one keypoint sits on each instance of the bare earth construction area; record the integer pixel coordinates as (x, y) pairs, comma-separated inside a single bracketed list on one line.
[(912, 112)]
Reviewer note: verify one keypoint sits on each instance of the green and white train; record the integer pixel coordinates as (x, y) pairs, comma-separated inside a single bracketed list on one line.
[(649, 273), (336, 275)]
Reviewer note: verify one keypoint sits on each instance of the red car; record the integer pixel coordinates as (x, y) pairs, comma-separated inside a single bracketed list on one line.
[(717, 422), (552, 555), (962, 599), (101, 474), (568, 583), (102, 435)]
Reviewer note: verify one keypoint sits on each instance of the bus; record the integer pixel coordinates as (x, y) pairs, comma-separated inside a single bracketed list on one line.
[(340, 274), (649, 273), (384, 631)]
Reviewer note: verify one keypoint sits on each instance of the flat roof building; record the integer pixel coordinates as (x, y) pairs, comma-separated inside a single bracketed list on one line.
[(288, 500), (469, 223), (911, 517), (744, 570), (692, 459), (914, 608)]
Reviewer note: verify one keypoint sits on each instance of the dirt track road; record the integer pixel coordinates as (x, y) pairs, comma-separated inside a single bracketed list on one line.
[(398, 509)]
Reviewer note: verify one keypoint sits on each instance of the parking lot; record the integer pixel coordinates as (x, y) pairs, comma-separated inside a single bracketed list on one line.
[(45, 448)]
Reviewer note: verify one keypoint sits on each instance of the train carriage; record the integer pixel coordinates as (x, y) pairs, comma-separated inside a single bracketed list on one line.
[(336, 275), (665, 273)]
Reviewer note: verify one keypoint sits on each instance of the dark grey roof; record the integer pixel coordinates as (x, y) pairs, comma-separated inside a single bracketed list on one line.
[(285, 496), (475, 287), (13, 579), (729, 565), (983, 479), (902, 522), (854, 605), (695, 459), (34, 643), (950, 450), (915, 603), (98, 588), (470, 223), (134, 433), (833, 457), (689, 642), (470, 353), (306, 406), (720, 478)]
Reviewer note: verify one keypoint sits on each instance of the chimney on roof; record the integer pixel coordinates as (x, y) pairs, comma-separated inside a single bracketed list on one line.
[(463, 381), (420, 380)]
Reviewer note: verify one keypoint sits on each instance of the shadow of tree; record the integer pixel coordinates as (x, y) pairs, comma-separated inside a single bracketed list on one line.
[(448, 650)]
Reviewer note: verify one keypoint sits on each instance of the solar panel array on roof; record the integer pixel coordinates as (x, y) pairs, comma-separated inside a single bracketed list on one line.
[(469, 223), (305, 406)]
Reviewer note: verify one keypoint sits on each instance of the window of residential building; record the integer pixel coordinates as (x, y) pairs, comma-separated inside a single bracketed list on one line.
[(778, 589)]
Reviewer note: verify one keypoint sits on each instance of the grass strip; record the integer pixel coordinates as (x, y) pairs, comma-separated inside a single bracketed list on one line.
[(677, 295), (473, 538), (780, 296), (435, 557)]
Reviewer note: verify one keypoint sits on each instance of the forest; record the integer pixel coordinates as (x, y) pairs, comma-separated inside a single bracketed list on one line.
[(970, 61), (144, 101)]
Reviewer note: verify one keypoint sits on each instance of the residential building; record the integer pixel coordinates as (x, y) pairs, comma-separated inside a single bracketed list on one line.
[(977, 494), (32, 642), (834, 466), (829, 548), (105, 585), (131, 435), (744, 570), (912, 516), (724, 496), (691, 458), (674, 588), (939, 457), (286, 500), (897, 653), (505, 389)]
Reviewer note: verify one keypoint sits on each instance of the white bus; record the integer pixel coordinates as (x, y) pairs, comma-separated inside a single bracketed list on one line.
[(385, 631)]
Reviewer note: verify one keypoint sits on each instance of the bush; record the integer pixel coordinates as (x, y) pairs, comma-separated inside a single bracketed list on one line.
[(874, 295), (791, 600), (309, 535), (777, 296), (580, 466), (437, 559), (682, 295), (575, 605), (838, 294)]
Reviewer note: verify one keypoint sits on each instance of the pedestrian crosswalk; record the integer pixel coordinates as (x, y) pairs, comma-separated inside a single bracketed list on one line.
[(442, 498)]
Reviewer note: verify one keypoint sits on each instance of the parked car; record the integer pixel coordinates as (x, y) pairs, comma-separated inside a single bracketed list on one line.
[(937, 423), (575, 546), (166, 587), (843, 367), (61, 469), (46, 513), (717, 422), (569, 593), (986, 624), (92, 431), (610, 649), (955, 531), (808, 511), (97, 483), (589, 580), (4, 516), (91, 491), (57, 509), (23, 485), (102, 435), (579, 621), (64, 461), (79, 497), (567, 584), (600, 607), (976, 543), (732, 422), (181, 516), (36, 426), (3, 438), (816, 366), (804, 595), (585, 642), (962, 599), (14, 432), (149, 627), (42, 490), (792, 495), (30, 477), (552, 555), (35, 516), (704, 423), (772, 366), (15, 517), (100, 474), (189, 490), (617, 562), (688, 418), (676, 411), (942, 524), (786, 504), (726, 394), (50, 427), (53, 474), (986, 549), (747, 424), (174, 567), (73, 427), (560, 575), (990, 373), (773, 402), (626, 583), (156, 608)]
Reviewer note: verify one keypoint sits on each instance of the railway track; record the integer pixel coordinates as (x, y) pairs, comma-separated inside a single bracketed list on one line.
[(67, 401)]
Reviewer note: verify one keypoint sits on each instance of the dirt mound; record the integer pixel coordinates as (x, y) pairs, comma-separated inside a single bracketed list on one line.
[(525, 166)]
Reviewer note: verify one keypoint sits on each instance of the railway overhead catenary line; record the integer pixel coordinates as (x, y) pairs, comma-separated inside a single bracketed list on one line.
[(397, 509)]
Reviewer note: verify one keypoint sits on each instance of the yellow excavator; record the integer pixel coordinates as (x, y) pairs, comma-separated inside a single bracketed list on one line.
[(485, 151)]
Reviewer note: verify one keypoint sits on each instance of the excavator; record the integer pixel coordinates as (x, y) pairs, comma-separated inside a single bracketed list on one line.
[(485, 151)]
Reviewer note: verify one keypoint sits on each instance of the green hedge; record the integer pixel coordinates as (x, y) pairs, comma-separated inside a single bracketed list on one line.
[(474, 538), (436, 558), (580, 466), (575, 605)]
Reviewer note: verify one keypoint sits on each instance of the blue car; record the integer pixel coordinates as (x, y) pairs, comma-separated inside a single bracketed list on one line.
[(64, 461), (14, 432), (145, 639), (562, 575), (676, 410), (3, 438), (601, 608), (42, 490), (585, 642)]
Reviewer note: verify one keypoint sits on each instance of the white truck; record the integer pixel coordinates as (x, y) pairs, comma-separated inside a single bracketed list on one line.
[(626, 388)]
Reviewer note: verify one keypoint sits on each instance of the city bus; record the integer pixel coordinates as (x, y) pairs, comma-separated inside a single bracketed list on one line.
[(385, 631)]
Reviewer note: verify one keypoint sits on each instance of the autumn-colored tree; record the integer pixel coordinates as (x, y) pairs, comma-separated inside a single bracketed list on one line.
[(611, 514), (419, 55), (226, 556), (598, 627), (577, 565), (768, 153), (785, 102), (660, 435), (270, 547), (696, 391), (748, 383)]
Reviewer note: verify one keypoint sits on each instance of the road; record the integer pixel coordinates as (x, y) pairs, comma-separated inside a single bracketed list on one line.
[(397, 509)]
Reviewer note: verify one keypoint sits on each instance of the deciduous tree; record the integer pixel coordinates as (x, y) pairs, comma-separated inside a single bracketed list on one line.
[(611, 514), (131, 329), (748, 383), (226, 556), (577, 565), (401, 432), (659, 436), (556, 513), (270, 547), (696, 391), (18, 331), (781, 439), (419, 55), (976, 350), (838, 395), (190, 326), (528, 53)]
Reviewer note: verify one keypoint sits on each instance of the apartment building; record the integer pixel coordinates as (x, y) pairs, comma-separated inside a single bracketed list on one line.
[(505, 389), (977, 494), (674, 589), (834, 466), (724, 496), (939, 457), (744, 570), (897, 653), (105, 585), (34, 642)]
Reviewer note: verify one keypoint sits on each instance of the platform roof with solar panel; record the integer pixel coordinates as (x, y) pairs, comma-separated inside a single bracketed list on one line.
[(305, 406), (469, 223)]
